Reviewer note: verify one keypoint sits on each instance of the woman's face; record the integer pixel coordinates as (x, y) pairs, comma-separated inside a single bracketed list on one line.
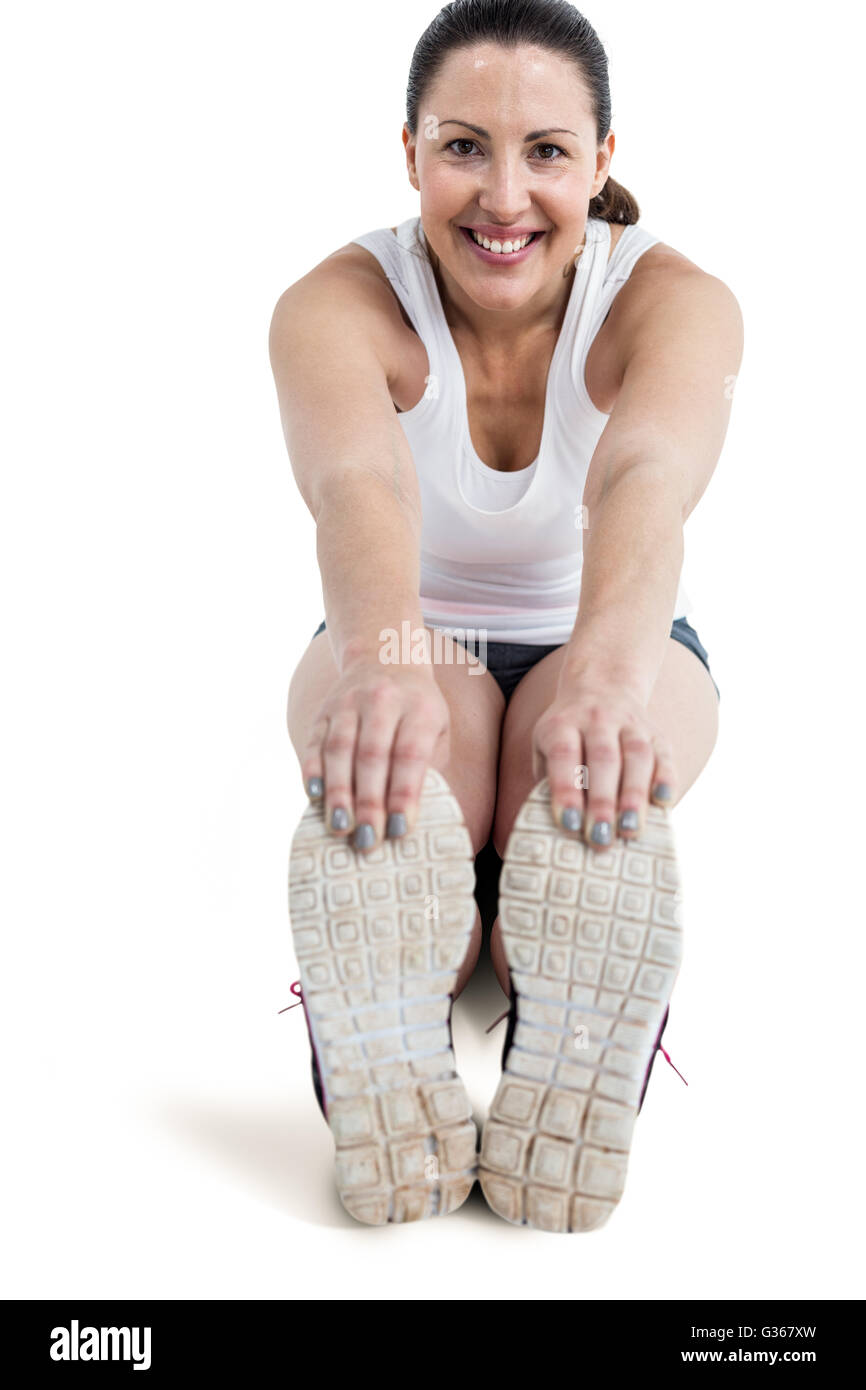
[(530, 164)]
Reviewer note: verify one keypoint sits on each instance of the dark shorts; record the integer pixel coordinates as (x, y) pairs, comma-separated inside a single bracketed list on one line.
[(508, 662)]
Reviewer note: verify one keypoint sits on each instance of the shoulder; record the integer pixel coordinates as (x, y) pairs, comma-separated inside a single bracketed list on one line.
[(347, 290), (668, 295)]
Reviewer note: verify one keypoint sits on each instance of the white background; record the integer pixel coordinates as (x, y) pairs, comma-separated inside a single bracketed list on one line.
[(168, 170)]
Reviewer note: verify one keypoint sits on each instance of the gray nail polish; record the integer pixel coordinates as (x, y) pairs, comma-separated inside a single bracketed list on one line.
[(364, 836), (571, 818), (601, 833), (315, 787), (628, 820), (661, 791), (339, 818), (396, 825)]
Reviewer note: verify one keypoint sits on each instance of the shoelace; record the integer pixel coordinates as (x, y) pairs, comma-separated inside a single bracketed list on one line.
[(296, 990), (661, 1048), (670, 1064), (497, 1020)]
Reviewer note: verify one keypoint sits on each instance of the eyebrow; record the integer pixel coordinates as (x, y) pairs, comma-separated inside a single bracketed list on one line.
[(533, 134)]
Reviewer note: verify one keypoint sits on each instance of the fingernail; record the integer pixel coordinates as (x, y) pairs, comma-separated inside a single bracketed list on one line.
[(628, 820), (600, 834), (571, 818), (364, 836), (339, 818), (396, 825), (315, 787), (661, 791)]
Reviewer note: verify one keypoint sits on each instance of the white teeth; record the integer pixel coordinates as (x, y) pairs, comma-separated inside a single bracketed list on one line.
[(501, 247)]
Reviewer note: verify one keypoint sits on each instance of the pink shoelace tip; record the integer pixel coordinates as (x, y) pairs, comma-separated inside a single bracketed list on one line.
[(670, 1064), (296, 990)]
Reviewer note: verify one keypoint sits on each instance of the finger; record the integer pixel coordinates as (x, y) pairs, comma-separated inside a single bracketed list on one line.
[(415, 742), (664, 778), (638, 760), (312, 763), (338, 749), (560, 746), (604, 763), (379, 718)]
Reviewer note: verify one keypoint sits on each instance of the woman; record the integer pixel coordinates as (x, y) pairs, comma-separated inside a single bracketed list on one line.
[(500, 415)]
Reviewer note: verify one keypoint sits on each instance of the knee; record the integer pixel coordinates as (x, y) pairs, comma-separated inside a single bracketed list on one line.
[(475, 793)]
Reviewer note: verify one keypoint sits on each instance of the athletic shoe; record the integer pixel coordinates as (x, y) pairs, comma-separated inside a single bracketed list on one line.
[(593, 944), (380, 937)]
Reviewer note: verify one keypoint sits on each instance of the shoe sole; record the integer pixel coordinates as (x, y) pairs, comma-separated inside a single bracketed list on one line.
[(380, 936), (593, 942)]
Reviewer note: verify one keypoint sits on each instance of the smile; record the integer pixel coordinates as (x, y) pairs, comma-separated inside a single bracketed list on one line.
[(501, 252)]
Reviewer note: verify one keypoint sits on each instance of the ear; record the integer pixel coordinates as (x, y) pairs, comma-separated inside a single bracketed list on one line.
[(410, 146), (603, 157)]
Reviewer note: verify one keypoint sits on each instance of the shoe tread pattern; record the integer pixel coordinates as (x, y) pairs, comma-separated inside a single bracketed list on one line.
[(593, 941), (380, 937)]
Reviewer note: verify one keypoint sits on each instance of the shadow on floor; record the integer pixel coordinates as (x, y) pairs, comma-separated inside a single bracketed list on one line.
[(284, 1154)]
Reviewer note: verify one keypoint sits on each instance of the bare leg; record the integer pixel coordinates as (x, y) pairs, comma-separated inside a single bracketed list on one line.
[(683, 704), (476, 704)]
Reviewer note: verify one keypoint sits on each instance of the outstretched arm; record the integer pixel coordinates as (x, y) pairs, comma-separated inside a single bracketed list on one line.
[(349, 455), (651, 466), (377, 729)]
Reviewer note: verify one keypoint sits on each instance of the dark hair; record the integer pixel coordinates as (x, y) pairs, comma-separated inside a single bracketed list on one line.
[(550, 24)]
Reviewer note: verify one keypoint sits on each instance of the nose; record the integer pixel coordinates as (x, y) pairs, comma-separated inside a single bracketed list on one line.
[(503, 195)]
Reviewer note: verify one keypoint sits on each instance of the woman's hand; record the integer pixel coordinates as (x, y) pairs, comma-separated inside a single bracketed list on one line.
[(372, 739), (605, 761)]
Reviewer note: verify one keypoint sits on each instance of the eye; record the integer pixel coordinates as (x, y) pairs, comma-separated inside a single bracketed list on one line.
[(464, 140), (461, 140)]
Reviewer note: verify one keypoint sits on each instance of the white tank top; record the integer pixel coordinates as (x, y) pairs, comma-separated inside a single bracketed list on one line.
[(501, 553)]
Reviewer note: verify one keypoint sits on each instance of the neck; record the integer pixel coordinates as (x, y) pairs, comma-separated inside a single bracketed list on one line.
[(504, 331)]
